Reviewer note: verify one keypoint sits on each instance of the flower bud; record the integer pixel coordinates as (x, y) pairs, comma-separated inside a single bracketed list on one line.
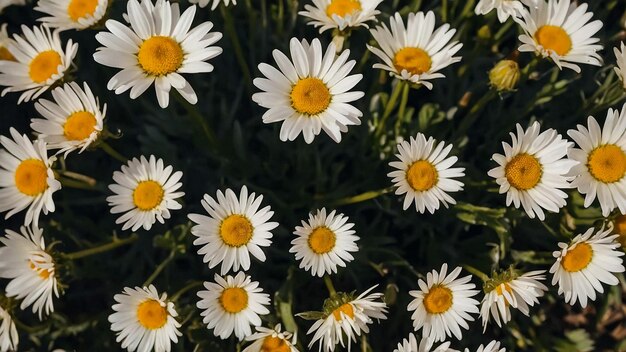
[(620, 228), (504, 75)]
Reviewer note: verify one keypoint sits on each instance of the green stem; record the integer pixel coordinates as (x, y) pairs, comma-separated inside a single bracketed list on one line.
[(193, 111), (474, 112), (112, 152), (476, 272), (391, 104), (183, 290), (229, 27), (69, 183), (79, 177), (103, 248), (329, 285), (362, 197), (160, 268)]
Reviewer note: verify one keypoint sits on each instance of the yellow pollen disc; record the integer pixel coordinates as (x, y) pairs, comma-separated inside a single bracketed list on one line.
[(422, 175), (148, 195), (607, 163), (620, 228), (438, 300), (578, 258), (342, 8), (31, 177), (414, 60), (5, 54), (274, 344), (310, 96), (346, 309), (78, 9), (507, 288), (523, 172), (44, 274), (322, 240), (79, 126), (234, 300), (236, 230), (44, 65), (554, 38), (159, 55), (151, 314)]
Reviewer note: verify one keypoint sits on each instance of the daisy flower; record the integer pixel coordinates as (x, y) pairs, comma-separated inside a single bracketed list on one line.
[(505, 8), (346, 315), (416, 52), (589, 260), (145, 191), (324, 242), (7, 3), (532, 170), (232, 304), (424, 173), (144, 321), (271, 340), (8, 333), (560, 30), (425, 345), (73, 121), (26, 178), (40, 62), (493, 346), (30, 268), (234, 229), (602, 161), (5, 54), (341, 14), (443, 304), (510, 289), (72, 14), (311, 91), (215, 3), (157, 48), (620, 69)]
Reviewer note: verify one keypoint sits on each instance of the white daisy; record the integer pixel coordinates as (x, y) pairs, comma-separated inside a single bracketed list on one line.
[(416, 52), (30, 268), (8, 333), (145, 191), (144, 321), (72, 14), (72, 121), (510, 289), (349, 316), (232, 304), (26, 178), (505, 8), (424, 173), (425, 345), (585, 263), (620, 57), (157, 48), (271, 340), (215, 3), (311, 91), (443, 304), (5, 54), (6, 3), (341, 14), (40, 61), (493, 346), (602, 161), (234, 229), (324, 242), (532, 170), (559, 29)]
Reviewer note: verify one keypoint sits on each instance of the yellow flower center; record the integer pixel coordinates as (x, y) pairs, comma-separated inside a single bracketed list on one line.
[(342, 8), (159, 56), (607, 163), (523, 172), (79, 126), (274, 344), (438, 300), (236, 230), (148, 195), (31, 177), (44, 66), (234, 300), (346, 309), (5, 54), (507, 288), (78, 9), (422, 175), (414, 60), (151, 314), (310, 96), (620, 228), (322, 240), (44, 274), (577, 258), (554, 38)]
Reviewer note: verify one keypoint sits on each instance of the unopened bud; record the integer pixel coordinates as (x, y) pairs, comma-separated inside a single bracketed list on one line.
[(504, 75), (484, 33)]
